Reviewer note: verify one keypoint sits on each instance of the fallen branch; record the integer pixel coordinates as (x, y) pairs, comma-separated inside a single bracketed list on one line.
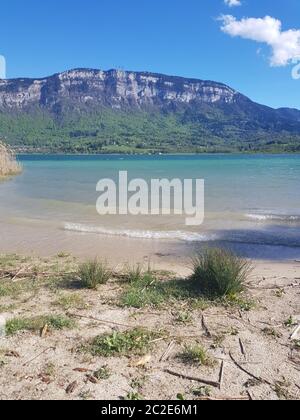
[(192, 378), (101, 321), (249, 373)]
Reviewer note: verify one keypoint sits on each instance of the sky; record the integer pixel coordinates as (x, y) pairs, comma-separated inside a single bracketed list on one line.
[(251, 45)]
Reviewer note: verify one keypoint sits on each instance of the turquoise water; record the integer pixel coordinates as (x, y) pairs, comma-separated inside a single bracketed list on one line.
[(251, 199)]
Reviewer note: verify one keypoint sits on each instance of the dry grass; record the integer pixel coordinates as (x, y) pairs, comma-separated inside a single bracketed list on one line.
[(8, 162), (93, 273), (219, 273)]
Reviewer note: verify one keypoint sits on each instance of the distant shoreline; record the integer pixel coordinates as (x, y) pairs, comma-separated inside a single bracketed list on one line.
[(160, 154)]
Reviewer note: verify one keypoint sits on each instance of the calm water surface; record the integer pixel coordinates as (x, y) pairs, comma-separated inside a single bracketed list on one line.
[(253, 200)]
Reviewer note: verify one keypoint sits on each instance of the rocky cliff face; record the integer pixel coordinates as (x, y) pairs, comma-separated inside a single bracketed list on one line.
[(93, 111), (116, 89)]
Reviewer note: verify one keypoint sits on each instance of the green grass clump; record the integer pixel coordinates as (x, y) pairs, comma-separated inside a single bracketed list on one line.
[(7, 289), (93, 273), (244, 303), (134, 342), (15, 290), (134, 274), (183, 318), (133, 396), (202, 391), (195, 355), (148, 290), (219, 278), (56, 322), (219, 273), (70, 301), (143, 292), (103, 373), (271, 332)]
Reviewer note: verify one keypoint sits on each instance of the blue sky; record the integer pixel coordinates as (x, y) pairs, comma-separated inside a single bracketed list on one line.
[(39, 38)]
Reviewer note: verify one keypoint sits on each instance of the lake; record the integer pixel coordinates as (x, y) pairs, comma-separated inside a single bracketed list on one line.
[(251, 201)]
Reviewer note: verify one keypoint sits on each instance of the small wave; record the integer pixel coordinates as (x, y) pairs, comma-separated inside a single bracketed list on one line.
[(274, 217), (249, 237), (141, 234)]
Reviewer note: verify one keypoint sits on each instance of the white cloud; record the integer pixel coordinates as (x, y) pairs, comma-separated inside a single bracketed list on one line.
[(233, 3), (285, 45)]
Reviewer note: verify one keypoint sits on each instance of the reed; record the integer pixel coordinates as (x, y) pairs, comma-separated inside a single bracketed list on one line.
[(9, 165)]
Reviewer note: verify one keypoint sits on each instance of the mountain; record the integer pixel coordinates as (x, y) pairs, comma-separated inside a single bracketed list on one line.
[(85, 110)]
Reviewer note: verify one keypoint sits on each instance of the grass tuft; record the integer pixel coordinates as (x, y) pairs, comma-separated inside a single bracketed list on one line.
[(195, 355), (183, 318), (70, 301), (134, 274), (94, 273), (134, 342), (133, 396), (219, 278), (56, 322), (103, 373), (148, 290), (219, 273), (271, 332)]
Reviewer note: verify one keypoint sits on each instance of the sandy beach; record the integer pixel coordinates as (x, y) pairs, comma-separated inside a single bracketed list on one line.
[(254, 357)]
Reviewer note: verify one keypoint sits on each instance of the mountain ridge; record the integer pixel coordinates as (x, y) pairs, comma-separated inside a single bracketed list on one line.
[(92, 110)]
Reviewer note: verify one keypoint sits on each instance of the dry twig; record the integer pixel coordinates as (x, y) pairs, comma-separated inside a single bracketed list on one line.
[(193, 378), (101, 321), (247, 372), (40, 354)]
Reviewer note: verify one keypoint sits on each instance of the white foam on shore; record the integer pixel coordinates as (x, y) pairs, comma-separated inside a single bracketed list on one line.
[(141, 234), (275, 217), (249, 237)]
